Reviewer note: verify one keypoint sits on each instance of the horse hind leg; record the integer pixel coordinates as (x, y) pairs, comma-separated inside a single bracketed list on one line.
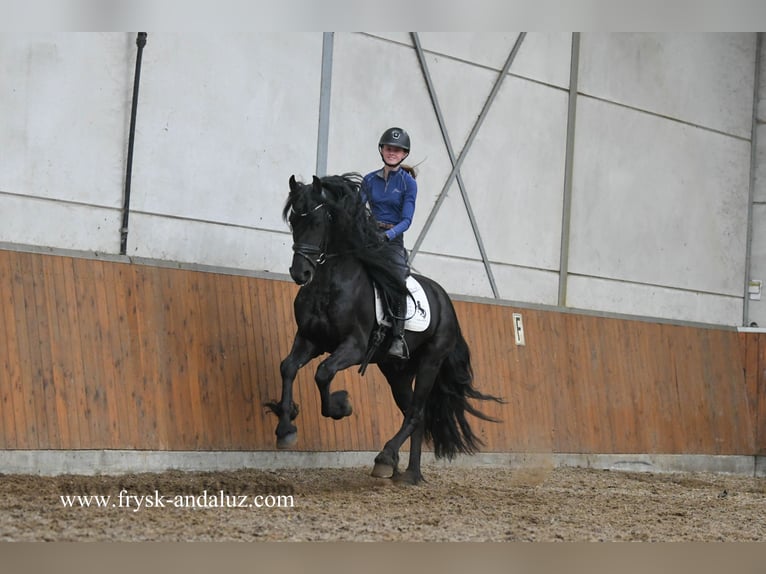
[(387, 460)]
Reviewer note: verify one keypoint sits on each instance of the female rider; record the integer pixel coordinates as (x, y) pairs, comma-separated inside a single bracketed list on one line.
[(391, 193)]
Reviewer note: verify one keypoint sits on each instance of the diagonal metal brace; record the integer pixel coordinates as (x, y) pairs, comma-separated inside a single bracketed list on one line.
[(457, 162)]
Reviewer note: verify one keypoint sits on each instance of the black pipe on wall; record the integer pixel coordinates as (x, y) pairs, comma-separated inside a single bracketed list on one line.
[(140, 42)]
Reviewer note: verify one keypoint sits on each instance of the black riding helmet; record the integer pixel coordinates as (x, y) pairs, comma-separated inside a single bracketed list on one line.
[(395, 137)]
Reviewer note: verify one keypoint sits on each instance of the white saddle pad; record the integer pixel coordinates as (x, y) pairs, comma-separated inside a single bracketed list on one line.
[(418, 311)]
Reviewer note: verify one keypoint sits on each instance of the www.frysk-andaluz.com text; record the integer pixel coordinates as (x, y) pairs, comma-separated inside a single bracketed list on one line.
[(136, 502)]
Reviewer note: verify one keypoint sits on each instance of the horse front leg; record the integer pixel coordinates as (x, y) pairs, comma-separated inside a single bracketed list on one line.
[(336, 405), (286, 410)]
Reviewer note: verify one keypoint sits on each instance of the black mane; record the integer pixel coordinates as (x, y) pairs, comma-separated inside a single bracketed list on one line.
[(354, 229)]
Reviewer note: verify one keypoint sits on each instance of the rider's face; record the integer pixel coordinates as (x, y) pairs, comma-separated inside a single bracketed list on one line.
[(392, 155)]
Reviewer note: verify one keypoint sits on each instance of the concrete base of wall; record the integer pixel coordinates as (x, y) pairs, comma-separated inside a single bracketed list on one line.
[(92, 462)]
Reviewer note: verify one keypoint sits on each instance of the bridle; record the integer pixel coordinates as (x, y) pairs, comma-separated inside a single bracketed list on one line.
[(314, 254)]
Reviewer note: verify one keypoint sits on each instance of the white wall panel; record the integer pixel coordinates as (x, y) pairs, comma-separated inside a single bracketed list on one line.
[(515, 174), (378, 84), (652, 301), (55, 224), (705, 79), (661, 154), (543, 57), (209, 244), (757, 308), (524, 284), (658, 202), (460, 276), (759, 190), (224, 122), (64, 115)]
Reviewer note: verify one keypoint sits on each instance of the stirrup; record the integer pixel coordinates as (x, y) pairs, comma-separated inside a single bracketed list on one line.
[(399, 349)]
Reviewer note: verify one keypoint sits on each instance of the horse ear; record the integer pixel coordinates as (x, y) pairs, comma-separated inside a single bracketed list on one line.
[(293, 183), (318, 188)]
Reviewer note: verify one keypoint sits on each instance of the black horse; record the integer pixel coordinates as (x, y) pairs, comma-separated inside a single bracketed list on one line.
[(338, 257)]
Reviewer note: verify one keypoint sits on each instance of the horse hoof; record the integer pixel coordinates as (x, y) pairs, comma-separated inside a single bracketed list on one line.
[(287, 441), (408, 477), (382, 470)]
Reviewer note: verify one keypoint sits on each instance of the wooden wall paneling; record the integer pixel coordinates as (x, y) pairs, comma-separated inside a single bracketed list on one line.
[(186, 409), (643, 337), (92, 341), (76, 381), (266, 383), (699, 396), (689, 377), (72, 377), (730, 395), (21, 270), (628, 392), (572, 418), (251, 367), (245, 366), (551, 350), (545, 347), (216, 394), (605, 392), (202, 435), (113, 355), (494, 379), (647, 418), (58, 357), (496, 360), (668, 406), (479, 344), (540, 367), (11, 397), (621, 391), (749, 348), (43, 372), (142, 327), (158, 385), (760, 419), (229, 382), (110, 356), (129, 369), (39, 381)]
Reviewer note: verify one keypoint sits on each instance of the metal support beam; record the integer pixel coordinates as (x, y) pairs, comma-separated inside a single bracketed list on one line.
[(323, 135), (457, 162), (751, 191), (566, 212)]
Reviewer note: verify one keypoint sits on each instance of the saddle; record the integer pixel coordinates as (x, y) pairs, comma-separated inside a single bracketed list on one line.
[(418, 318), (418, 312)]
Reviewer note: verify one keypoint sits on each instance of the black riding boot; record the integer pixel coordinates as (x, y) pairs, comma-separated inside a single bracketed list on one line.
[(398, 346)]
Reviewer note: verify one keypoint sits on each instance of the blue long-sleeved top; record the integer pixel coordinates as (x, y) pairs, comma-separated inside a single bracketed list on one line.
[(391, 201)]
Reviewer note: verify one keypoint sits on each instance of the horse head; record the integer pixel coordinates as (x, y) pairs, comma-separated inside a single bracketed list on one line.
[(307, 213)]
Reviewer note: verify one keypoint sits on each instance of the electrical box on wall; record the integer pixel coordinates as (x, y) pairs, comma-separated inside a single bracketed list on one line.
[(518, 329)]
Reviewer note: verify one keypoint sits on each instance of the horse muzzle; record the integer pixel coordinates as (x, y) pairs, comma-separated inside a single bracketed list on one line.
[(301, 273)]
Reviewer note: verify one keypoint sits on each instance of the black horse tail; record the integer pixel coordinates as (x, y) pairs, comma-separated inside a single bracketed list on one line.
[(446, 426)]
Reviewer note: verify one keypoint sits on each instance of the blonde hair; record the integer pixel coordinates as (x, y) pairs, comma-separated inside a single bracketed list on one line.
[(411, 170)]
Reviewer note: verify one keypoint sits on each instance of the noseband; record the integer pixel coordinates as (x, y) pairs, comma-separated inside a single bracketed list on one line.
[(314, 254)]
